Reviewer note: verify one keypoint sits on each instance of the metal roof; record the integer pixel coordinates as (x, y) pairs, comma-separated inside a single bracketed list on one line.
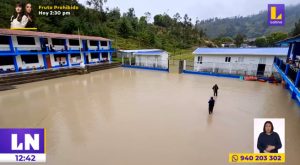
[(242, 51), (157, 52), (49, 35), (289, 40)]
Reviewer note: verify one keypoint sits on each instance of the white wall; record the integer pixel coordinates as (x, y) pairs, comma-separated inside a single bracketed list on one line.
[(152, 60), (31, 65), (212, 63), (37, 45), (4, 47), (5, 67)]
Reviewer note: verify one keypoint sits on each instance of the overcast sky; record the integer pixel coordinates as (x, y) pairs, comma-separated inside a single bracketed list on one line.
[(203, 9)]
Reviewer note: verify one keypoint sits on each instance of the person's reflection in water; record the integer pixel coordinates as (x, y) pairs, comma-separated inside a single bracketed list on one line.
[(268, 141)]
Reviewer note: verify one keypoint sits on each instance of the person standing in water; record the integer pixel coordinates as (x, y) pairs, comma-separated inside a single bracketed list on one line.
[(211, 104), (215, 88)]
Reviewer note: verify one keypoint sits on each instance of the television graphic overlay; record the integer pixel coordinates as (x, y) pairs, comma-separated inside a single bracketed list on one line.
[(22, 145), (269, 143), (276, 15)]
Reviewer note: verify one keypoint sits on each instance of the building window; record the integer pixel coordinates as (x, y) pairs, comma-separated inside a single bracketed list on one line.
[(199, 59), (94, 55), (30, 59), (60, 57), (4, 40), (103, 43), (58, 41), (227, 59), (75, 55), (93, 43), (240, 59), (73, 42), (262, 60), (6, 60), (26, 40)]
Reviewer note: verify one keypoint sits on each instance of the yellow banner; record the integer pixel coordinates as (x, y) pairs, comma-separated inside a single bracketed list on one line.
[(256, 158)]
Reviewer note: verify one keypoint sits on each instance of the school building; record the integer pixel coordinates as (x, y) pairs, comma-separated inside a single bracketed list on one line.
[(289, 67), (145, 58), (237, 61), (30, 50)]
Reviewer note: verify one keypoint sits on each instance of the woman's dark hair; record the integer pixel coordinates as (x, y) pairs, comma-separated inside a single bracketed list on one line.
[(31, 9), (18, 4), (31, 23), (268, 122)]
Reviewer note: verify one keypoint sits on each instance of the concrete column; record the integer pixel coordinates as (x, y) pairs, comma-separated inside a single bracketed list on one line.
[(45, 61), (16, 64)]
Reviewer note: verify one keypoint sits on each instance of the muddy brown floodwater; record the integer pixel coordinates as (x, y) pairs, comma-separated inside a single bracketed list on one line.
[(138, 117)]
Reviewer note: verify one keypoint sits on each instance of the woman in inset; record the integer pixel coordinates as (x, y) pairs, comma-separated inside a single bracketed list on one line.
[(29, 15), (268, 141), (18, 20)]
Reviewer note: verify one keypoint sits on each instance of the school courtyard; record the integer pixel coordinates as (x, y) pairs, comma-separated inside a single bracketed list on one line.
[(138, 117)]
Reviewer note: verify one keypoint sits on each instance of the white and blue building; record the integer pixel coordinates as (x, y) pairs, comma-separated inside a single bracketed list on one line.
[(145, 58), (289, 67), (237, 61), (29, 50)]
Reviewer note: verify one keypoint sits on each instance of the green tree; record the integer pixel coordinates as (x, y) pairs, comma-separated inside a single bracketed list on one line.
[(261, 42), (125, 29), (96, 4), (296, 30), (275, 37), (239, 39)]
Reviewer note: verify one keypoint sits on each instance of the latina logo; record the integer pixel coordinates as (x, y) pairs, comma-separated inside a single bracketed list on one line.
[(276, 14)]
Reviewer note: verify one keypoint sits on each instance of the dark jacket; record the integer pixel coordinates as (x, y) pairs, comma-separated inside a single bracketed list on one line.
[(264, 140), (211, 102), (215, 87)]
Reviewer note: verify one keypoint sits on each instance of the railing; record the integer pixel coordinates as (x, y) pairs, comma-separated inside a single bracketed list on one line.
[(46, 50), (290, 70), (145, 63), (224, 68)]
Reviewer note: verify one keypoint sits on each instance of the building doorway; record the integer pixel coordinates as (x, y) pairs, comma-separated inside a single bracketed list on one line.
[(261, 69)]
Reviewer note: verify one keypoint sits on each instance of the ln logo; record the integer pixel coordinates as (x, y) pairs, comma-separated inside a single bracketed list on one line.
[(29, 141), (22, 140), (276, 15)]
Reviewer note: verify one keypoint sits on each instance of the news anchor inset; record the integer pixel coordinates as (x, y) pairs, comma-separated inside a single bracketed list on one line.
[(268, 141)]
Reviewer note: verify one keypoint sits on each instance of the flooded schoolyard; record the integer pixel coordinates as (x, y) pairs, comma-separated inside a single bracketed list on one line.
[(139, 117)]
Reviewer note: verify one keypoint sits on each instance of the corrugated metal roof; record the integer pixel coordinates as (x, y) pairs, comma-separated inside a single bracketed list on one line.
[(242, 51), (139, 50), (49, 35), (157, 52)]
